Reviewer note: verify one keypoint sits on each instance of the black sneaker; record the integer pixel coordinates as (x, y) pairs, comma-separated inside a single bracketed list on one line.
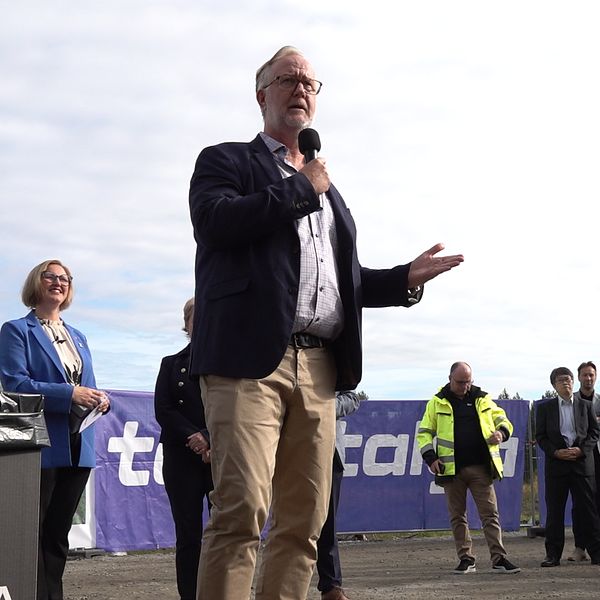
[(505, 566), (466, 565)]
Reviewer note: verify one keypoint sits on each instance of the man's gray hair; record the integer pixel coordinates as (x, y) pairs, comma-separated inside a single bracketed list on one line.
[(263, 75)]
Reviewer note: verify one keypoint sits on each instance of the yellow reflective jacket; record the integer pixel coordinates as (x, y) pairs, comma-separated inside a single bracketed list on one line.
[(438, 422)]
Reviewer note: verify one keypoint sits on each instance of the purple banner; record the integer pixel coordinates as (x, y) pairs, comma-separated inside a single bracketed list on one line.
[(386, 485), (132, 509)]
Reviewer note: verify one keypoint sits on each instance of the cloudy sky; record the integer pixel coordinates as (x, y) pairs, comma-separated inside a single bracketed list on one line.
[(476, 124)]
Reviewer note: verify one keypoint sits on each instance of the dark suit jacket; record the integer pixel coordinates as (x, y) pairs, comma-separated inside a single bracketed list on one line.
[(248, 265), (29, 364), (177, 401), (549, 438)]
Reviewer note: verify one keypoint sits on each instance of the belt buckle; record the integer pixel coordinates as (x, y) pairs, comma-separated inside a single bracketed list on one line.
[(308, 340), (299, 340)]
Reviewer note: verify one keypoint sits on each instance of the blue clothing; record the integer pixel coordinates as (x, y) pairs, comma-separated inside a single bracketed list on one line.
[(29, 364)]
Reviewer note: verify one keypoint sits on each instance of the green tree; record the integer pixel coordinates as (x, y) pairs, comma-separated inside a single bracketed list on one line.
[(504, 395), (362, 395), (550, 394)]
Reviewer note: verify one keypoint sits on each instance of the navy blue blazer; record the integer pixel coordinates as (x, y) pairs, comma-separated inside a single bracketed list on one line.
[(248, 266), (178, 401), (549, 438), (29, 364)]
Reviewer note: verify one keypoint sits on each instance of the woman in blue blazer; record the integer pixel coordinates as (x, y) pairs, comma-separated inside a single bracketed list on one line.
[(41, 354)]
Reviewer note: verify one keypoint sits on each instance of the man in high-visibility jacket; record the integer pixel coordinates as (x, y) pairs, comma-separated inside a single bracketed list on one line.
[(468, 427)]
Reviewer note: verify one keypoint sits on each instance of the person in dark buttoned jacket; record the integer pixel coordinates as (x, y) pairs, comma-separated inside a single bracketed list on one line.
[(186, 470), (586, 373), (567, 431)]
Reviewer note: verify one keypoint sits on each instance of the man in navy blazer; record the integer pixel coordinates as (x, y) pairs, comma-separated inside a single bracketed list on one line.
[(277, 329), (567, 431)]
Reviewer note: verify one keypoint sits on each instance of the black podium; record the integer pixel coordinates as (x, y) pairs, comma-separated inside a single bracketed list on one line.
[(22, 435), (19, 521)]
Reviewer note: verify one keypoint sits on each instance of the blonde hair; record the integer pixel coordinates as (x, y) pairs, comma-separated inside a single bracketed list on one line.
[(31, 293), (263, 72), (188, 313)]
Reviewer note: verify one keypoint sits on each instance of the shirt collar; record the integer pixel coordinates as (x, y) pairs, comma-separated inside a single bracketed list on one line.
[(274, 146), (278, 150)]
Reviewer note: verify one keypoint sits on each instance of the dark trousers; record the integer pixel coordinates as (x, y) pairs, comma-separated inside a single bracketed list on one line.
[(60, 492), (328, 556), (579, 520), (581, 488), (187, 480)]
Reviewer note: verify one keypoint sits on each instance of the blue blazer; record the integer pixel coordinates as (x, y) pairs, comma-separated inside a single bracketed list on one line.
[(29, 364), (248, 266)]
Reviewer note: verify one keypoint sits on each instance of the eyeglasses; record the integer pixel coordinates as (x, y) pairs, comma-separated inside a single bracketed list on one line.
[(461, 382), (290, 82), (53, 278), (565, 379)]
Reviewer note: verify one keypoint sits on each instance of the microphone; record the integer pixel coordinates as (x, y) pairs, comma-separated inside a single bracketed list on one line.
[(309, 144)]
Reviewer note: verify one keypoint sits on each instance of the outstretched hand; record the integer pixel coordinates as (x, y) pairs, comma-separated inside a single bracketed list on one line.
[(427, 266)]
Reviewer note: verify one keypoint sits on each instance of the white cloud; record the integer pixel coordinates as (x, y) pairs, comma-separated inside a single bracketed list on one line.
[(471, 123)]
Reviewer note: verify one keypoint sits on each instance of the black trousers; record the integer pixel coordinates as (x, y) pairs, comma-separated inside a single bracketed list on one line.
[(328, 556), (60, 491), (187, 481), (579, 520), (581, 488)]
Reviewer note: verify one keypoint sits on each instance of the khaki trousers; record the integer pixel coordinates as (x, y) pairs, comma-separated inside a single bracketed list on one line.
[(272, 443), (476, 479)]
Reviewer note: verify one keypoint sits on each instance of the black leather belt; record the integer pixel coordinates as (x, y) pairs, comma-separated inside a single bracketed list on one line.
[(307, 340)]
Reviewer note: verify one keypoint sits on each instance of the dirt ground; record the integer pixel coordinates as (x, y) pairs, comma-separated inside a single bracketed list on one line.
[(397, 567)]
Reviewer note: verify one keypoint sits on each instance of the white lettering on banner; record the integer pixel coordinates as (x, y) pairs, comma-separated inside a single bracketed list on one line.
[(4, 593), (434, 488), (158, 464), (416, 464), (397, 467), (511, 445), (127, 446), (385, 440), (348, 441)]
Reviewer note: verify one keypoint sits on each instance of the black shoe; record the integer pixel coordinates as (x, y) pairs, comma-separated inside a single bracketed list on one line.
[(505, 566), (549, 561), (466, 565), (596, 559)]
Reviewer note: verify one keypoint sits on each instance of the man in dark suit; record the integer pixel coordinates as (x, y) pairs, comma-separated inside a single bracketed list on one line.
[(586, 373), (567, 431), (277, 329)]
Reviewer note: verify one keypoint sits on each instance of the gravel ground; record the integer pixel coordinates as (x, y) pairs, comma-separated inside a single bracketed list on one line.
[(382, 568)]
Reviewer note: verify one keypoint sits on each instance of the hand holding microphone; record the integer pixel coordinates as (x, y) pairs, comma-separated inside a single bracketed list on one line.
[(315, 170)]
